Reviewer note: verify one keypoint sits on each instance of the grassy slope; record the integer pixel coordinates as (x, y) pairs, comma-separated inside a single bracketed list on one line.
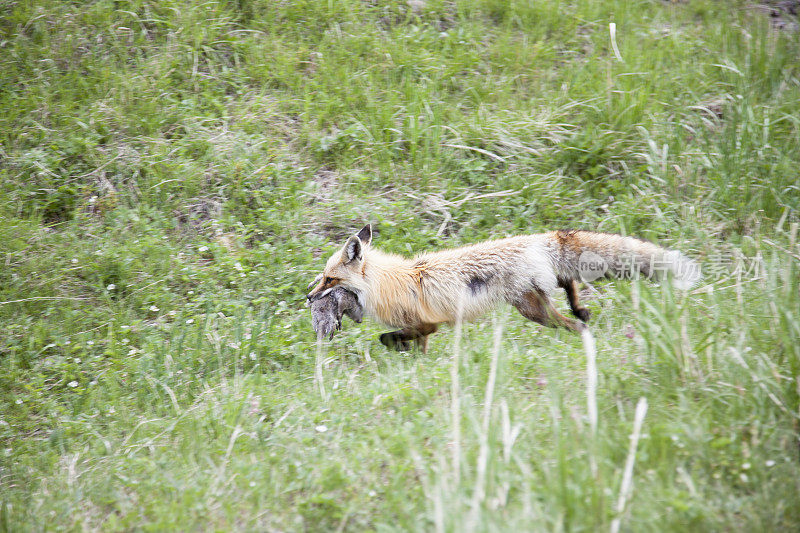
[(173, 174)]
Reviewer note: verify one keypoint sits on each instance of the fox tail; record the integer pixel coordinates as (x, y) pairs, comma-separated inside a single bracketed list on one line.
[(587, 256)]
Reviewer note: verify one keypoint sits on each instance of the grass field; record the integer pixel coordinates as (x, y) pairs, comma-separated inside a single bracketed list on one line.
[(174, 173)]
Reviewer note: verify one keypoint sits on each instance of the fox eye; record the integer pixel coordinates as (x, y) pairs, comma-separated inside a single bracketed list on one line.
[(328, 280)]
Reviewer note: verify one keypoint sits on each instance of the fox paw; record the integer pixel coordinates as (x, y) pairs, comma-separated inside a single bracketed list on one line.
[(583, 314), (391, 340)]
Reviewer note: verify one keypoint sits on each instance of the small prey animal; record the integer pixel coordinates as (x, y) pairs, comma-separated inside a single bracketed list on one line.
[(328, 309)]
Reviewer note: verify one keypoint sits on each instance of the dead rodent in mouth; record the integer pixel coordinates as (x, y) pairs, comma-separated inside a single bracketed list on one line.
[(328, 309)]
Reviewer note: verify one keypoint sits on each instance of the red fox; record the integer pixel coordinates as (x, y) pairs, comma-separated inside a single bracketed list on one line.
[(417, 295)]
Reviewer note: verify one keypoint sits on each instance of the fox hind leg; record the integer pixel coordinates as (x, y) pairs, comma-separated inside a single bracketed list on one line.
[(571, 288), (536, 306)]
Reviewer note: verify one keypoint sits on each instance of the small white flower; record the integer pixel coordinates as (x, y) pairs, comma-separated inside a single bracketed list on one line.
[(93, 382), (132, 351), (203, 249), (89, 343), (238, 266), (72, 384), (322, 428), (74, 261), (18, 401), (190, 321), (154, 309), (77, 360), (769, 463), (111, 287), (252, 356), (125, 341), (190, 293), (172, 313), (746, 466), (252, 483)]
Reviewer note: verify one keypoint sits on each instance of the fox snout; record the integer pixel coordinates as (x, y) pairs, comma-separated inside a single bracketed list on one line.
[(318, 293), (314, 294), (322, 286), (311, 296)]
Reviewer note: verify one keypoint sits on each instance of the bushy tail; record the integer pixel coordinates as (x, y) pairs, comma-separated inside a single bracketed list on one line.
[(587, 256)]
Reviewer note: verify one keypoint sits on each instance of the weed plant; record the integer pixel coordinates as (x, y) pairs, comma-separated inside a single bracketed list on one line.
[(174, 173)]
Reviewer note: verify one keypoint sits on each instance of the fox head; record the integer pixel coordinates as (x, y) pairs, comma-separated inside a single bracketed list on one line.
[(345, 267)]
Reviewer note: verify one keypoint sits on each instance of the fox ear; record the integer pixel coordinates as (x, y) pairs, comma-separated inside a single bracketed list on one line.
[(365, 235), (353, 249)]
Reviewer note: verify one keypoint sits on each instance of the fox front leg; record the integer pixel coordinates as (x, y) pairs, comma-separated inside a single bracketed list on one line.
[(394, 340), (401, 339)]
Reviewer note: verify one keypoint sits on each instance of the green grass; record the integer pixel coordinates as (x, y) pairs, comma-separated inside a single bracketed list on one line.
[(173, 174)]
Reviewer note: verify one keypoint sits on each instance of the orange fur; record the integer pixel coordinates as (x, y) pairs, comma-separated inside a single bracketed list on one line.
[(441, 287)]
